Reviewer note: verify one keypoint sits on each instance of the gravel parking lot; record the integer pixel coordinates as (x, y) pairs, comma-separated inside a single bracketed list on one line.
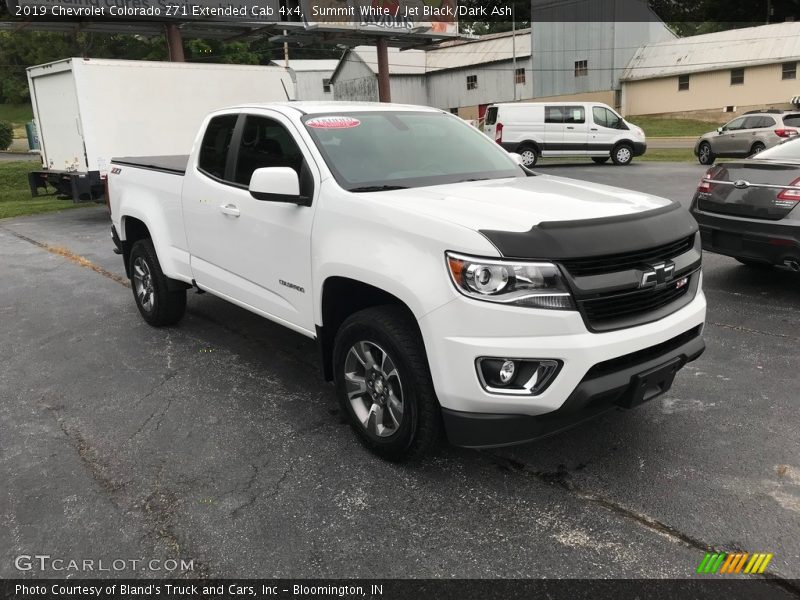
[(218, 442)]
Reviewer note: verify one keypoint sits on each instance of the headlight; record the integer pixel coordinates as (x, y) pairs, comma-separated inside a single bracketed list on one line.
[(533, 284)]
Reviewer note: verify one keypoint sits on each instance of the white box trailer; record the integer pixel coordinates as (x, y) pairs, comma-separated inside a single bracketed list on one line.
[(88, 110)]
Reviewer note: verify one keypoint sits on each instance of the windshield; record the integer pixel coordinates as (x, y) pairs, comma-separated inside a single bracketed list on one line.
[(787, 151), (373, 151)]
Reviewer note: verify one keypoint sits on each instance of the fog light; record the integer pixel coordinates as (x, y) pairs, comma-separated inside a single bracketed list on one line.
[(516, 376), (507, 372)]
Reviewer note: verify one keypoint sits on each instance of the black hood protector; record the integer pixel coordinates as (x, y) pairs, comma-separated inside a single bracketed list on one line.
[(554, 240)]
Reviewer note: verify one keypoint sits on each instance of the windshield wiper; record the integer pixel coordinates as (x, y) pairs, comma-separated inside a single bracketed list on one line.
[(473, 179), (378, 188)]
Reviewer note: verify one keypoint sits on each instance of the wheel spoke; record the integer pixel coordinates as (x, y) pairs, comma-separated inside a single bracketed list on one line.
[(356, 384), (366, 352), (374, 422), (395, 408)]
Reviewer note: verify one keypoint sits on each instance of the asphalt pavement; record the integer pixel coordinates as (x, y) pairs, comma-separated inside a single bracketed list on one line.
[(218, 442)]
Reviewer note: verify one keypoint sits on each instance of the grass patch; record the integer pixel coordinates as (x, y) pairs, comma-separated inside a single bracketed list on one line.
[(664, 127), (654, 155), (16, 114), (15, 195), (668, 155)]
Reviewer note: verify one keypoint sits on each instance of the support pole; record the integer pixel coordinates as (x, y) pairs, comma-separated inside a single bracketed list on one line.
[(384, 91), (174, 43)]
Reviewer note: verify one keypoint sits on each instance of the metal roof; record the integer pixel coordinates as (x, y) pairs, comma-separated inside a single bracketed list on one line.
[(451, 55), (766, 44), (308, 64)]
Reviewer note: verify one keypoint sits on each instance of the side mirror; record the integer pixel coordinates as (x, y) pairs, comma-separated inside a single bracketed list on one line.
[(277, 184), (517, 158), (720, 129)]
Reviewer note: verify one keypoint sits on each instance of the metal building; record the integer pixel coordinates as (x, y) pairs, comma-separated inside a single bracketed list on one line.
[(312, 78), (462, 76), (709, 75), (581, 48)]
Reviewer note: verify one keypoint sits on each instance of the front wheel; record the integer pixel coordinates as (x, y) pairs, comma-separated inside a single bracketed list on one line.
[(158, 304), (384, 385), (529, 156), (622, 155), (705, 155)]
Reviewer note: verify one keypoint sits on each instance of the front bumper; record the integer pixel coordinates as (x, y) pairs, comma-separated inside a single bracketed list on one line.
[(639, 148), (459, 332), (756, 239), (614, 383)]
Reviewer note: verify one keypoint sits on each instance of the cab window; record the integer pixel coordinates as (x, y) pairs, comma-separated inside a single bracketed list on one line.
[(215, 145), (735, 124), (607, 118), (491, 115), (265, 143)]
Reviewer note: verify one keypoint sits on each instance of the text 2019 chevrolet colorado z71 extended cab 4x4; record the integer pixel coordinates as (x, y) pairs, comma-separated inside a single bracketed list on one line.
[(446, 285)]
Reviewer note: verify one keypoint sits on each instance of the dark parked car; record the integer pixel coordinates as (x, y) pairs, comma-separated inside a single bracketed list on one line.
[(748, 209)]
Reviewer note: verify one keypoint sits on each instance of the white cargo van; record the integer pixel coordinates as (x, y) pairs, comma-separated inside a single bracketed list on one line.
[(534, 129)]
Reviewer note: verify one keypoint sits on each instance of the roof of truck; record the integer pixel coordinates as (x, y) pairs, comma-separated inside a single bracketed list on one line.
[(321, 107)]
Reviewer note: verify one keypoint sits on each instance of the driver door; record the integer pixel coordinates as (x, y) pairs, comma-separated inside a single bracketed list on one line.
[(256, 253), (727, 142)]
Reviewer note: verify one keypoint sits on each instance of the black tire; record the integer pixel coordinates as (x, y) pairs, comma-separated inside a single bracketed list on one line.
[(622, 154), (757, 148), (756, 264), (529, 154), (156, 298), (393, 331), (600, 160), (705, 155)]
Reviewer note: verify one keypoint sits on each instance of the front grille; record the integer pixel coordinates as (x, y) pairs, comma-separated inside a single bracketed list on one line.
[(600, 312), (610, 263)]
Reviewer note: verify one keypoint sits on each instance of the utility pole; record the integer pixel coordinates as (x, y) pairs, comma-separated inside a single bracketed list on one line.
[(514, 51), (174, 43), (384, 89)]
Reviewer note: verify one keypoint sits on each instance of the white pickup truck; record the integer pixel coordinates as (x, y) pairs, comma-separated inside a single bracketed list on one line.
[(448, 288)]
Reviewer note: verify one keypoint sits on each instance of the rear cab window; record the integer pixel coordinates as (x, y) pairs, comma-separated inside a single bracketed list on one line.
[(213, 159)]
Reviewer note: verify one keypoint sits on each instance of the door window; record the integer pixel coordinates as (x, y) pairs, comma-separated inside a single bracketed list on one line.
[(574, 114), (215, 145), (735, 125), (491, 115), (265, 143), (554, 114), (606, 118)]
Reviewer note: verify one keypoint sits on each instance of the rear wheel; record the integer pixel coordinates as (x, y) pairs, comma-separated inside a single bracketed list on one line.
[(757, 148), (705, 155), (600, 160), (384, 385), (157, 301), (622, 155), (529, 155)]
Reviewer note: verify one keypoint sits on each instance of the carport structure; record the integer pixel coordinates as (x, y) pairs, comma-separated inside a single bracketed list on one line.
[(177, 27)]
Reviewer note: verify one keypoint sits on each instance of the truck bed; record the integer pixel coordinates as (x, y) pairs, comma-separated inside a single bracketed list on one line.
[(174, 164)]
